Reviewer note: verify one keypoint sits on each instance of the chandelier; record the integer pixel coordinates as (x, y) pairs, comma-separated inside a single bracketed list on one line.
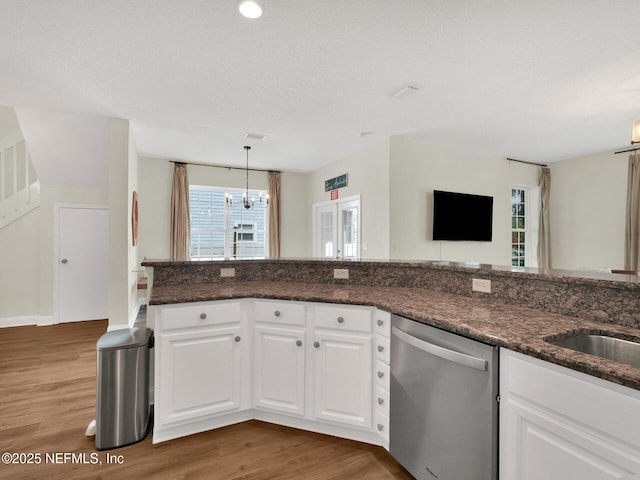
[(247, 202)]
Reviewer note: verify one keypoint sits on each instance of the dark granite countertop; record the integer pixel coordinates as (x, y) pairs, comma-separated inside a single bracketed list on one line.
[(516, 328)]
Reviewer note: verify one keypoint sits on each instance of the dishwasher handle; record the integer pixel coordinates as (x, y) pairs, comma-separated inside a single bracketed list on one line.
[(445, 353)]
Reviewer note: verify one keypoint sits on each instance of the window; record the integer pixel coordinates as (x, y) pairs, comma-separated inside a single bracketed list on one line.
[(220, 231), (519, 227)]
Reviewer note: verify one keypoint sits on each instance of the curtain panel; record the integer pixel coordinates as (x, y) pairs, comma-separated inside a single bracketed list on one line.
[(632, 218), (180, 216), (274, 214), (544, 222)]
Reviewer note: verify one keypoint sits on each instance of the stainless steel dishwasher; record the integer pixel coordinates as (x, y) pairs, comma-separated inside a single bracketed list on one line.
[(443, 407)]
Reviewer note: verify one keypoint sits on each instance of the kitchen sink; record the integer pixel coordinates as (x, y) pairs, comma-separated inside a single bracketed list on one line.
[(611, 348)]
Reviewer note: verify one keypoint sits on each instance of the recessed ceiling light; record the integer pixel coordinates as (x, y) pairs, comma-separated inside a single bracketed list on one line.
[(250, 8)]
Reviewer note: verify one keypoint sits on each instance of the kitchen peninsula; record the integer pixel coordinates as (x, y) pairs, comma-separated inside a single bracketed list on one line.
[(547, 403)]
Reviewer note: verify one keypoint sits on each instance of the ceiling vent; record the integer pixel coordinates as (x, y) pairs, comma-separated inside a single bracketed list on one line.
[(408, 89), (254, 136)]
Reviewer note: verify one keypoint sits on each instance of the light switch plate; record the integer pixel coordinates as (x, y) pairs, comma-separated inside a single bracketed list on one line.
[(481, 285), (341, 273)]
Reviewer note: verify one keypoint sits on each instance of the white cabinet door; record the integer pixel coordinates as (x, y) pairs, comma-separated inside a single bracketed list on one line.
[(558, 424), (279, 369), (342, 370), (201, 373)]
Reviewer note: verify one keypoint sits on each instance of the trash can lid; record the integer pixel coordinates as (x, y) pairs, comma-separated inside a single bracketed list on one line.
[(124, 338)]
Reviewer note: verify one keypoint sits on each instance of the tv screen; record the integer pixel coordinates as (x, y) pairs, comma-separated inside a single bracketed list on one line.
[(462, 216)]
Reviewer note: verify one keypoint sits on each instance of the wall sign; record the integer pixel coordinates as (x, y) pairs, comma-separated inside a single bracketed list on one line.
[(336, 182), (334, 194)]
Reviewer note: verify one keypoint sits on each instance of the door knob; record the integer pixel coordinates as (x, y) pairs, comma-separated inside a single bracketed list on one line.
[(237, 339), (64, 260), (316, 344), (299, 343)]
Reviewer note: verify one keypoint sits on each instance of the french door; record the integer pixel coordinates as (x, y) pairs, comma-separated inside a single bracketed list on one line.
[(336, 229)]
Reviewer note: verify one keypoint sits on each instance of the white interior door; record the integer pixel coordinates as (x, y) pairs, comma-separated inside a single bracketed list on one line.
[(325, 227), (349, 229), (82, 263)]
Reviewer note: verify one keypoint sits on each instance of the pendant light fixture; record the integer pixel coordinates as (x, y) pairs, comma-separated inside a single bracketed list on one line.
[(246, 201), (250, 8), (247, 205)]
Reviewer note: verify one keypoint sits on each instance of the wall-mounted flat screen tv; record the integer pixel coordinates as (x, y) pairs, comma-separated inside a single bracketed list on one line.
[(462, 216)]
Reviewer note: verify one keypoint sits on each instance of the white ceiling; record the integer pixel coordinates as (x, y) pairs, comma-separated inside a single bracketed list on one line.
[(536, 80)]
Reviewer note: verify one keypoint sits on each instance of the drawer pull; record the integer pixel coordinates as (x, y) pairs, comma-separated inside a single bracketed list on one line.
[(203, 316), (380, 427), (316, 344), (340, 319), (299, 343), (380, 323), (380, 375), (380, 401), (237, 339), (380, 348), (277, 313)]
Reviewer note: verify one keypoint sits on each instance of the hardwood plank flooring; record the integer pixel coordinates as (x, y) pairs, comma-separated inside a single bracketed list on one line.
[(47, 399)]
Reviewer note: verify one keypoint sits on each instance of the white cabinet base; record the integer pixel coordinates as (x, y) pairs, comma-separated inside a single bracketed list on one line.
[(558, 424)]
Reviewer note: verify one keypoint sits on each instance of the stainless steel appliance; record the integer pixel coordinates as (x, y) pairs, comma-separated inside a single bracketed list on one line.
[(444, 406)]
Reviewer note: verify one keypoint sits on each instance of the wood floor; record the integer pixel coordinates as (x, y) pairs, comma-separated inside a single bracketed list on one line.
[(47, 399)]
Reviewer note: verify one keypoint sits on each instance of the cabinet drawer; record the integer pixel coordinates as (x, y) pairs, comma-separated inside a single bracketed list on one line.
[(383, 374), (382, 425), (199, 315), (383, 323), (342, 318), (381, 400), (286, 313), (383, 349)]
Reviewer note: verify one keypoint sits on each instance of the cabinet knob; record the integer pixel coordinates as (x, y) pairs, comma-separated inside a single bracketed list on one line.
[(380, 374), (203, 316), (64, 260), (316, 344), (299, 343), (380, 322), (380, 401), (237, 338), (380, 427), (277, 313), (380, 348), (340, 320)]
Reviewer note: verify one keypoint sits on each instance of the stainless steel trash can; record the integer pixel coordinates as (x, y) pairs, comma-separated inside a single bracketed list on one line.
[(122, 391)]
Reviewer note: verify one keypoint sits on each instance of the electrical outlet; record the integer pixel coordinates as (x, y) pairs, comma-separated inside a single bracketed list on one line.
[(227, 272), (481, 285), (341, 273)]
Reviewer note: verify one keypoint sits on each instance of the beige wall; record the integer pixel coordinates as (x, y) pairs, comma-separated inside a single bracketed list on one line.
[(123, 168), (588, 203), (368, 171), (418, 168), (155, 178), (20, 272)]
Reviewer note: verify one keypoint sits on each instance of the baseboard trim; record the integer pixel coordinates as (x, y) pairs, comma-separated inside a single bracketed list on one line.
[(18, 321), (46, 320)]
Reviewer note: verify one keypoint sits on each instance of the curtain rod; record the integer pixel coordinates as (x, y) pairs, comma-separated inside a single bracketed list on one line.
[(627, 150), (528, 163), (228, 167)]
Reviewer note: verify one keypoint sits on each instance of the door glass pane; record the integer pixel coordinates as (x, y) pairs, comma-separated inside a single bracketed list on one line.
[(327, 247), (350, 233)]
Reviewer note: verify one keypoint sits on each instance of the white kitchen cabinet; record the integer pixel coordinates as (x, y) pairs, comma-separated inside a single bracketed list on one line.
[(559, 424), (279, 369), (342, 363), (202, 353), (342, 378)]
